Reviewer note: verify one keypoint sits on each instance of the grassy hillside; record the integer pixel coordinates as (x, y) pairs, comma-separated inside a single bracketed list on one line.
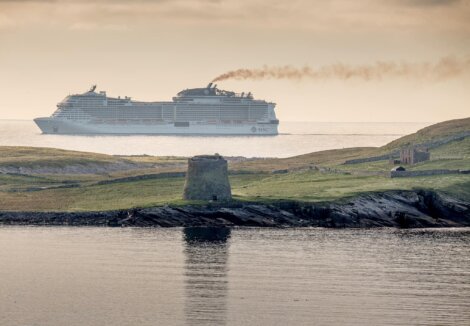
[(323, 158), (456, 150), (432, 133), (452, 156), (312, 177), (33, 156), (40, 160), (29, 193)]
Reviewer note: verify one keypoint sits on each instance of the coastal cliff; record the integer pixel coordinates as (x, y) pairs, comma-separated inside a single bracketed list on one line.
[(403, 209)]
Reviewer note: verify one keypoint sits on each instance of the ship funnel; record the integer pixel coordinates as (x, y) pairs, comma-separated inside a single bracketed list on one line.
[(215, 86), (209, 86)]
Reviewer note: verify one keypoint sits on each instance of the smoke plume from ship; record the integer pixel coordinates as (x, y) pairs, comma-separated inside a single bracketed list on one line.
[(445, 68)]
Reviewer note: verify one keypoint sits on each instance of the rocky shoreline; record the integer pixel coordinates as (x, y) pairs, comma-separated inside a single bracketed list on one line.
[(403, 209)]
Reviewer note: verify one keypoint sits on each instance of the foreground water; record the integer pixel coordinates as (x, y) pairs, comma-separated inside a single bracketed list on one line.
[(107, 276), (295, 138)]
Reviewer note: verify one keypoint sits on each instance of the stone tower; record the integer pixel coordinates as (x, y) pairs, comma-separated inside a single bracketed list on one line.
[(207, 179)]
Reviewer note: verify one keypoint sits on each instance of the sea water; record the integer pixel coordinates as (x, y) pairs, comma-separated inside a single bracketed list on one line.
[(295, 138), (55, 276)]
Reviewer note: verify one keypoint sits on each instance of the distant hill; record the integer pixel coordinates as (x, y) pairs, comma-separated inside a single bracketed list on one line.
[(443, 135), (436, 134), (41, 160)]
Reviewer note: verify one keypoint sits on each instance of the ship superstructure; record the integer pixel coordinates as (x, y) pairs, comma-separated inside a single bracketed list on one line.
[(206, 110)]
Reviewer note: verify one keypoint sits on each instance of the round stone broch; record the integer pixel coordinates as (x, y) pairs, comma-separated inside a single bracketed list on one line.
[(207, 179)]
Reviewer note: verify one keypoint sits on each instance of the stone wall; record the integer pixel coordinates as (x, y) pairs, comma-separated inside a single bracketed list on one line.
[(404, 174), (442, 141), (161, 175), (372, 158)]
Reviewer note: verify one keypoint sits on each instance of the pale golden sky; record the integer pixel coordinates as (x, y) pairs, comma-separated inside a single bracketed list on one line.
[(150, 50)]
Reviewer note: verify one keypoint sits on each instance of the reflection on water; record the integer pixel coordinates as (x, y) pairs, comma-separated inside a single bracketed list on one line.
[(206, 235), (206, 255)]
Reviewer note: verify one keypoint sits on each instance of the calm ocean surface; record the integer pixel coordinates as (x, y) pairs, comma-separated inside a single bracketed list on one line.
[(56, 276), (295, 138)]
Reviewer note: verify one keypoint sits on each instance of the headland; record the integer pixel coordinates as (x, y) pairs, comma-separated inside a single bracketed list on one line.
[(352, 187)]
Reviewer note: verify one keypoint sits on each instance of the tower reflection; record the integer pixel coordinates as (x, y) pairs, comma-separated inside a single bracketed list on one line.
[(206, 251)]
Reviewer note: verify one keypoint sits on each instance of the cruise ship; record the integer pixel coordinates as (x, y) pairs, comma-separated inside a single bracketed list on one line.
[(196, 111)]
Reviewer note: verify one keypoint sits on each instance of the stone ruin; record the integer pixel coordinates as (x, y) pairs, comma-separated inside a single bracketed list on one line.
[(207, 179), (413, 155)]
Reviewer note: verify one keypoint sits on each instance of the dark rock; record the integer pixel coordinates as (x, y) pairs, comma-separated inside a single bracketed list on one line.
[(402, 209)]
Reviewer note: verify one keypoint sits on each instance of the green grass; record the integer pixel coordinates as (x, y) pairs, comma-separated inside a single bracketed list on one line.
[(305, 186), (463, 164), (96, 197), (127, 194), (40, 157), (433, 132), (11, 182), (452, 156), (33, 156), (310, 186), (385, 166), (454, 150)]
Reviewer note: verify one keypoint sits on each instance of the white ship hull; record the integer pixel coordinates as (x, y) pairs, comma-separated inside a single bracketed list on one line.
[(76, 127), (195, 111)]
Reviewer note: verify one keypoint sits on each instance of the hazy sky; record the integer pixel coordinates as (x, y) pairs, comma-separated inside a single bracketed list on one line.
[(150, 50)]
